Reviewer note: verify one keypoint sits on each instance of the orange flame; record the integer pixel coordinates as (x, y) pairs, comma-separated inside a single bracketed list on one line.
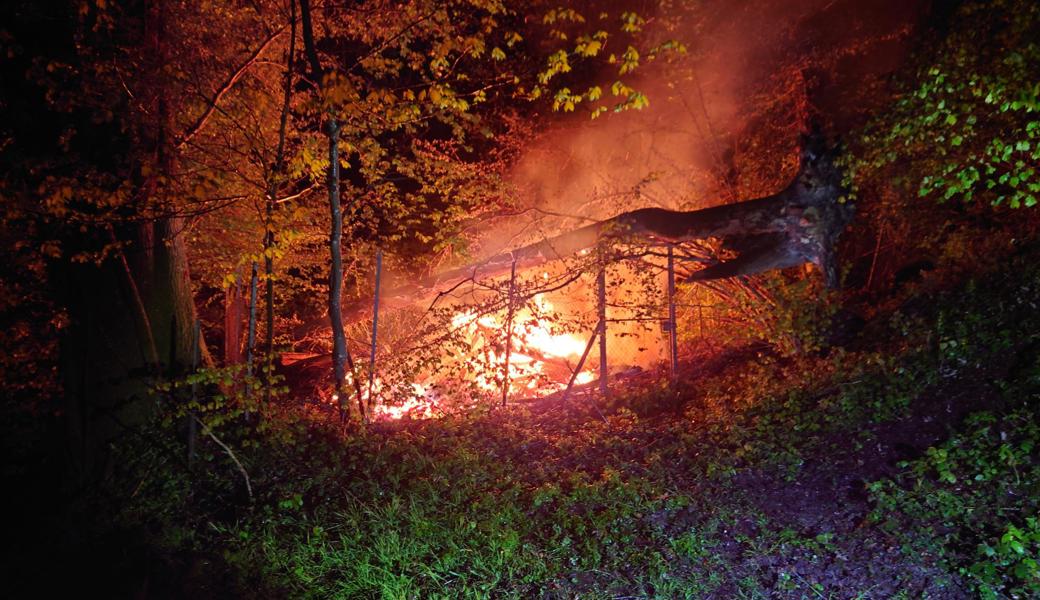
[(540, 361)]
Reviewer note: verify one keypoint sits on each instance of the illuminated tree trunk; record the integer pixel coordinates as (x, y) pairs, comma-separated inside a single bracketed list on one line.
[(277, 169), (172, 304), (268, 302), (339, 338), (340, 354), (251, 332), (799, 224)]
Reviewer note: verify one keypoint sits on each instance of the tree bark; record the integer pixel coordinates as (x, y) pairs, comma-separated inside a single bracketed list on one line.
[(339, 339)]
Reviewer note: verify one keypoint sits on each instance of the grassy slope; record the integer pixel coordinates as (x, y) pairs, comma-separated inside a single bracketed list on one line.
[(901, 466)]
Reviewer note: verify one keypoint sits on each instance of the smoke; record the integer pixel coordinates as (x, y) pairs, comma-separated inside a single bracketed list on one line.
[(722, 126), (724, 119)]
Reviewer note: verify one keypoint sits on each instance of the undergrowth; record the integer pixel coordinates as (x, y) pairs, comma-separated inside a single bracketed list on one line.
[(778, 476)]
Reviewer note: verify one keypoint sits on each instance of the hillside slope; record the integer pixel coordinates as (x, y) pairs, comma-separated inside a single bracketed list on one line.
[(903, 465)]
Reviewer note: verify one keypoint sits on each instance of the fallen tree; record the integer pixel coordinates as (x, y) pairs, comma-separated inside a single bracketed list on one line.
[(800, 224)]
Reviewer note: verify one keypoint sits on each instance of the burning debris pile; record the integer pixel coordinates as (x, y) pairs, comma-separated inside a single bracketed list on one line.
[(541, 360), (513, 340), (484, 354)]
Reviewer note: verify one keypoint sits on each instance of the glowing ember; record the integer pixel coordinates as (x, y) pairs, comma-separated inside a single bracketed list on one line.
[(422, 404)]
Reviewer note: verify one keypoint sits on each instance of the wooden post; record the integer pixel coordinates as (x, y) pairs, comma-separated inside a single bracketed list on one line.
[(604, 389), (509, 334), (375, 329), (672, 332)]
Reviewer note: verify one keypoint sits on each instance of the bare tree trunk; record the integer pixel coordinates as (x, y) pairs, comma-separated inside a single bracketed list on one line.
[(340, 353), (171, 296), (268, 304), (272, 193), (339, 338)]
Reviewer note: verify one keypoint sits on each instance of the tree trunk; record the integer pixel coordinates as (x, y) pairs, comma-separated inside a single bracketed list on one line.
[(130, 322), (340, 352), (799, 224), (276, 172), (269, 306), (251, 332), (134, 309), (339, 338)]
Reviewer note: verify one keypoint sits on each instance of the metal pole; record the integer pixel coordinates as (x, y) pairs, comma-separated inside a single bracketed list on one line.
[(509, 334), (375, 328), (602, 281), (195, 357), (251, 337), (672, 333)]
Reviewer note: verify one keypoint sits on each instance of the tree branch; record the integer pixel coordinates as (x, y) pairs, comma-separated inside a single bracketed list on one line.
[(230, 453), (225, 87)]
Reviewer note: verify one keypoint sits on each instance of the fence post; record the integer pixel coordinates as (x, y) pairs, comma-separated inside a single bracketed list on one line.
[(375, 329), (672, 333), (509, 333), (604, 389)]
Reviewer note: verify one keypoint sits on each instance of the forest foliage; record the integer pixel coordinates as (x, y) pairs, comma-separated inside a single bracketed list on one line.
[(156, 155)]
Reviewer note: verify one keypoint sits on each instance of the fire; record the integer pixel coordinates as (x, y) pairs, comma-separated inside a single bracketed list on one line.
[(541, 361), (538, 337), (421, 405)]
